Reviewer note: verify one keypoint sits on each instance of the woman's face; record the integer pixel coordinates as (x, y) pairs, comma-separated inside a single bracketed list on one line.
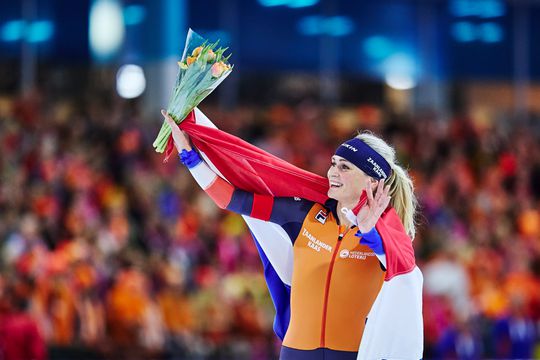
[(347, 181)]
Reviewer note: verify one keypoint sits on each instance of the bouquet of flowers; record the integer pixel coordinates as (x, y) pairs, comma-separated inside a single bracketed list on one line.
[(201, 70)]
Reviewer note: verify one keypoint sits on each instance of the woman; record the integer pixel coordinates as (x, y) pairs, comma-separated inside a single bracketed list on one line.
[(336, 277)]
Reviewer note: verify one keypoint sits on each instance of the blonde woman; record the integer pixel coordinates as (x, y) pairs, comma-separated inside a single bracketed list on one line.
[(346, 252)]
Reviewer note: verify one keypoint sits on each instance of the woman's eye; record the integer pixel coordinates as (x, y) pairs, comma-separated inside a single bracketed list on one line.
[(343, 167)]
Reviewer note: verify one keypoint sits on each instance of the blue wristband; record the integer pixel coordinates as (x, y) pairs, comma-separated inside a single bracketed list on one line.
[(190, 158), (371, 239)]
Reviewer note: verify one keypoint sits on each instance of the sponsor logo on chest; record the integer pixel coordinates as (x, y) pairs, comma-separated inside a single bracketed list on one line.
[(358, 255), (321, 216), (315, 243)]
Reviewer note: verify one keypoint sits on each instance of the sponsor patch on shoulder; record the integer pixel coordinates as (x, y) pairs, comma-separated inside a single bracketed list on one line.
[(321, 216)]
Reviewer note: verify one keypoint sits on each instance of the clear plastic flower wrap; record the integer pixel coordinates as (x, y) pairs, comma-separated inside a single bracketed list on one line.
[(202, 68)]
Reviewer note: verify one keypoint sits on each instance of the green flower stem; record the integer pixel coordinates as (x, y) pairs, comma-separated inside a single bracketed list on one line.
[(193, 85)]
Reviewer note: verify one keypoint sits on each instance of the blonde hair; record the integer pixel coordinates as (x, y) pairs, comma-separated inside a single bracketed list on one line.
[(401, 193)]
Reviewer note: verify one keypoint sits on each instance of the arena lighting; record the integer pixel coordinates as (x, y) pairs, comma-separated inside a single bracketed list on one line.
[(33, 32), (289, 3), (130, 81), (106, 31), (339, 25), (271, 3), (39, 31), (481, 8), (377, 47), (314, 25), (311, 25), (13, 30), (301, 3), (464, 31), (134, 14), (490, 32), (400, 81), (399, 70)]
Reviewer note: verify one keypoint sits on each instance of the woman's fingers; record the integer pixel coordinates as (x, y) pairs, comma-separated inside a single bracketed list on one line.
[(180, 139), (174, 127), (369, 192), (379, 190), (377, 203), (384, 200), (165, 115), (167, 118), (387, 191), (387, 194), (381, 198)]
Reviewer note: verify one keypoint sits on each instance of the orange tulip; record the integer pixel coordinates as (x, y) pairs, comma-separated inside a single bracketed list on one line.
[(196, 51), (218, 69), (210, 56)]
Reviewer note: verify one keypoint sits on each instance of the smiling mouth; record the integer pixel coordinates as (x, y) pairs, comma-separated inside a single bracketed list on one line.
[(335, 185)]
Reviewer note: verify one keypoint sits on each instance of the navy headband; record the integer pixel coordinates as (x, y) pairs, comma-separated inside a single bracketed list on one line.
[(365, 158)]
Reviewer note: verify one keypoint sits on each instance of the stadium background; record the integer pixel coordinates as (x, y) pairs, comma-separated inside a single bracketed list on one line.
[(107, 253)]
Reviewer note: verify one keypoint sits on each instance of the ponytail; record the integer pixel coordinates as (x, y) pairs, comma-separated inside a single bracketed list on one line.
[(402, 197)]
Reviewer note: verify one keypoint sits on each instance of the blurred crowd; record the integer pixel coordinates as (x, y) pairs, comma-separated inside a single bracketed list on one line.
[(107, 252)]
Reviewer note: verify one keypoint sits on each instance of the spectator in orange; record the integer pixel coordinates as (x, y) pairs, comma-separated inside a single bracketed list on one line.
[(126, 304)]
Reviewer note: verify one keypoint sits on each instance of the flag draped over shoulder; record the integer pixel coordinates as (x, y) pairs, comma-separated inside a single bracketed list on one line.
[(394, 327), (249, 168)]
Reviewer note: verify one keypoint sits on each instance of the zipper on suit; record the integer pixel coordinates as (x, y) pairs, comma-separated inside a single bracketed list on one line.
[(327, 287)]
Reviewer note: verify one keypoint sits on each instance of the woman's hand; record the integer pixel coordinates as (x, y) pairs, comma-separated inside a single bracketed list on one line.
[(181, 140), (370, 213)]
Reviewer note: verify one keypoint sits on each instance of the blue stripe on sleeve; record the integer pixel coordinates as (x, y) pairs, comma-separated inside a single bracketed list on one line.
[(241, 202), (287, 210)]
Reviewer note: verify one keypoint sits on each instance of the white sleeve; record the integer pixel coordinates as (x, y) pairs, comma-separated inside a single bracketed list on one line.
[(203, 175)]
